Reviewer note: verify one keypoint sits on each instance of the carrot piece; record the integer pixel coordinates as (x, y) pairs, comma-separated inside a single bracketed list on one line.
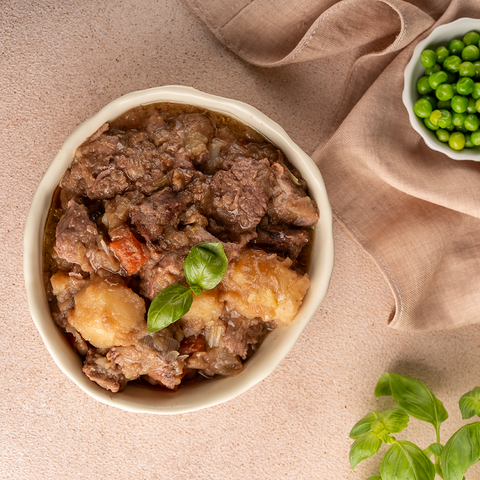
[(131, 253)]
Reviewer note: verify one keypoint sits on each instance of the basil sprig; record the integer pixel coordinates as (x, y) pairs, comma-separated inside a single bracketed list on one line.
[(405, 460), (204, 268)]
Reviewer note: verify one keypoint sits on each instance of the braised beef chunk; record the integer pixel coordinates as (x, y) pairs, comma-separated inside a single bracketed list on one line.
[(289, 203), (284, 241), (159, 274), (161, 209), (242, 332), (240, 195), (93, 171), (137, 360), (197, 134), (139, 194), (103, 371), (78, 241)]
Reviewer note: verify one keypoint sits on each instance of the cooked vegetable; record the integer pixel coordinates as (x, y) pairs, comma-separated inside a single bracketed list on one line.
[(471, 38), (261, 285), (465, 86), (456, 46), (442, 135), (457, 141), (108, 315), (428, 58), (445, 92), (423, 108), (470, 53), (451, 72)]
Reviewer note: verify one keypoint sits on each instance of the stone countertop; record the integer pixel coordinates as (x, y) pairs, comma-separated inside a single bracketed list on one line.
[(60, 62)]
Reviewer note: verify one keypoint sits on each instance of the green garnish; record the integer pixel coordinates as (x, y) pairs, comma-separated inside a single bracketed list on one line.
[(204, 268), (405, 460)]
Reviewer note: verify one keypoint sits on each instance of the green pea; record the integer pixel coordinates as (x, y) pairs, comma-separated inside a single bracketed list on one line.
[(461, 129), (454, 85), (471, 108), (452, 77), (423, 87), (459, 104), (436, 68), (428, 58), (464, 85), (476, 91), (422, 108), (477, 70), (468, 141), (459, 119), (466, 69), (450, 128), (443, 104), (471, 38), (442, 54), (456, 141), (435, 115), (433, 101), (475, 137), (445, 92), (471, 123), (445, 119), (470, 53), (442, 135), (436, 79), (477, 105), (452, 63), (456, 46), (429, 124)]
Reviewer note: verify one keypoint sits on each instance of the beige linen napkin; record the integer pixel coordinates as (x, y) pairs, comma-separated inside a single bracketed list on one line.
[(415, 211)]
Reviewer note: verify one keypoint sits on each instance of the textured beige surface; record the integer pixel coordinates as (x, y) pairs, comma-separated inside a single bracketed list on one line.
[(59, 63)]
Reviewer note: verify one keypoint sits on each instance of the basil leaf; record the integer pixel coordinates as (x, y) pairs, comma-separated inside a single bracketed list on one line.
[(406, 461), (205, 265), (433, 449), (364, 447), (414, 397), (196, 290), (383, 386), (394, 420), (168, 306), (364, 425), (470, 403), (461, 451)]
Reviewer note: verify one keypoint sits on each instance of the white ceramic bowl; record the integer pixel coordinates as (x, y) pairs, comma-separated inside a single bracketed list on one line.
[(414, 70), (277, 344)]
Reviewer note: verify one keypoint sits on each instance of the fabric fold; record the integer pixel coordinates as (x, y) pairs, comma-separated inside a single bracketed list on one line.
[(415, 211)]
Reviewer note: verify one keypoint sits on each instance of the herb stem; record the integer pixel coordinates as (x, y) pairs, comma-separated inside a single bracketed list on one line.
[(437, 459)]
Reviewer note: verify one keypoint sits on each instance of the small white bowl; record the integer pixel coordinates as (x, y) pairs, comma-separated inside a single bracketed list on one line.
[(277, 344), (414, 70)]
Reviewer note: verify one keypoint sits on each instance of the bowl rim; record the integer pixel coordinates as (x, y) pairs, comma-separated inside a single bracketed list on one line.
[(33, 248), (431, 141)]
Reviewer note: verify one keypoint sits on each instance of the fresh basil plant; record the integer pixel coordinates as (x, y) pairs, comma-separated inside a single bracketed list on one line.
[(204, 268), (405, 460)]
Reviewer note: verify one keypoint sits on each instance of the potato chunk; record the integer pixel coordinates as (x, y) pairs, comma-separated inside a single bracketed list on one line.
[(205, 310), (108, 315), (259, 285)]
